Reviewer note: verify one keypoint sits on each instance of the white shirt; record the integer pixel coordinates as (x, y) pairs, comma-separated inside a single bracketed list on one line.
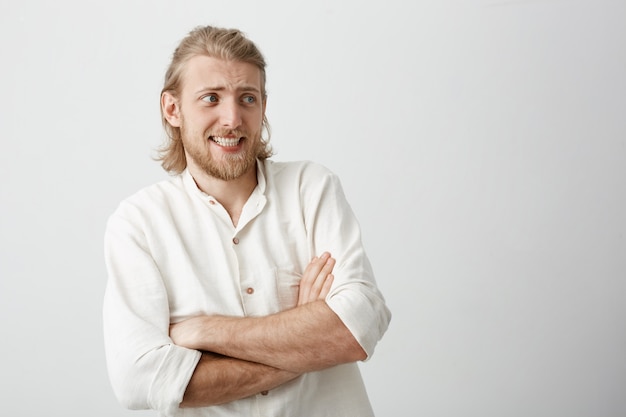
[(172, 253)]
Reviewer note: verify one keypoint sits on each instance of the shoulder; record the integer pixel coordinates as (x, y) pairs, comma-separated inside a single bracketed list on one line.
[(309, 181), (152, 198), (302, 171)]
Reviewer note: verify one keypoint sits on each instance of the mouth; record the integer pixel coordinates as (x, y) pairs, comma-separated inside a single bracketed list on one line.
[(226, 142)]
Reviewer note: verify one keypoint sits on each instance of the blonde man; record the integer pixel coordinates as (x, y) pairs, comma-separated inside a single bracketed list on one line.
[(223, 298)]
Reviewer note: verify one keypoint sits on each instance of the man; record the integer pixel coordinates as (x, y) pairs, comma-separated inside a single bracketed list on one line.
[(223, 297)]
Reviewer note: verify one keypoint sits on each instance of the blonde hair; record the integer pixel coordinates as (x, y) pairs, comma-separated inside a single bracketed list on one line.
[(226, 44)]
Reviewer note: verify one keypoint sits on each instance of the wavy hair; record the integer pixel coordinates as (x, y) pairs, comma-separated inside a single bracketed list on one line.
[(221, 43)]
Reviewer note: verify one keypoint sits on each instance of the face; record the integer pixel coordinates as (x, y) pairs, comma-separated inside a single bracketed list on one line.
[(220, 114)]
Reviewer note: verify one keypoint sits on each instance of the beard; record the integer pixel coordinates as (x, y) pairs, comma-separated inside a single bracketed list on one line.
[(228, 166)]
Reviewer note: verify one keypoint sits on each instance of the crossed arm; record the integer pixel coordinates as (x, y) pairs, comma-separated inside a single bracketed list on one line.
[(245, 356)]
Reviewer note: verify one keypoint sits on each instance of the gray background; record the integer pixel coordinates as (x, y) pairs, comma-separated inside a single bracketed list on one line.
[(481, 143)]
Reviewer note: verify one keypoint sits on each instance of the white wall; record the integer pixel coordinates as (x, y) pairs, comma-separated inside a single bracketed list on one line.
[(482, 144)]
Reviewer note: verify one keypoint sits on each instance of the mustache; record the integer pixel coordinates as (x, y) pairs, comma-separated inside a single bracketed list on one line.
[(228, 132)]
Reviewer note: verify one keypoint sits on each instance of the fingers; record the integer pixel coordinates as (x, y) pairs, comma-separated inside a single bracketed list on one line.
[(321, 279), (303, 292), (326, 287), (317, 279)]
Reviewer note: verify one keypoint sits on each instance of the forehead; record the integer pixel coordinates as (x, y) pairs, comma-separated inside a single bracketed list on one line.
[(203, 72)]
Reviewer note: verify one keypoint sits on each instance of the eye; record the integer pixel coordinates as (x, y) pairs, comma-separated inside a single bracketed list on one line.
[(210, 98), (249, 99)]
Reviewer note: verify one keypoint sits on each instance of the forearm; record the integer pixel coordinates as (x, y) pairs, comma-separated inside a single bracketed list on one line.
[(220, 379), (307, 338)]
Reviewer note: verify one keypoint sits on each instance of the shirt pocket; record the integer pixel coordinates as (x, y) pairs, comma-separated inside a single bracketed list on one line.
[(287, 287)]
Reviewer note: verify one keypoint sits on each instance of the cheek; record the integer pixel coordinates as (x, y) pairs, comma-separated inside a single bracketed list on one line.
[(198, 122), (255, 120)]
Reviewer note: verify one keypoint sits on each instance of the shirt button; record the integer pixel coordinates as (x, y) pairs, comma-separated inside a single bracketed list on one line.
[(264, 392), (236, 240), (250, 290), (212, 202)]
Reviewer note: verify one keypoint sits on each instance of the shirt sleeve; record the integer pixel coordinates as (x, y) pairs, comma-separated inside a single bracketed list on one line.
[(147, 371), (354, 297)]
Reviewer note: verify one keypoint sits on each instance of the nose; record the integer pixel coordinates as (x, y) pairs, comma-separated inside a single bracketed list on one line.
[(230, 114)]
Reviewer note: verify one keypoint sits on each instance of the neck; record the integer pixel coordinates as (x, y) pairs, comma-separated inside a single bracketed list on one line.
[(231, 194)]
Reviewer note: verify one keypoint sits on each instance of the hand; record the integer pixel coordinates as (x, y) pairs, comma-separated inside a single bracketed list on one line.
[(316, 280), (187, 332)]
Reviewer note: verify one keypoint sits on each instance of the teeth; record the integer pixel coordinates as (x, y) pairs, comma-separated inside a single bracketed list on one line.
[(225, 141)]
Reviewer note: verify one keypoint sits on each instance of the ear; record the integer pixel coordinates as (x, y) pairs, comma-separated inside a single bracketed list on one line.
[(171, 108), (264, 105)]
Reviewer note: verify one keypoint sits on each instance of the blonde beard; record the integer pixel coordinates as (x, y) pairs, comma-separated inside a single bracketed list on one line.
[(230, 167)]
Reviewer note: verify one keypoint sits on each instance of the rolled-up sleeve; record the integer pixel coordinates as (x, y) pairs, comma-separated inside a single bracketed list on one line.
[(354, 297), (147, 371)]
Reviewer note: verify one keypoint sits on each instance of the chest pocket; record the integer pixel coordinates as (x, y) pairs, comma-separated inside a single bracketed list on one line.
[(269, 291)]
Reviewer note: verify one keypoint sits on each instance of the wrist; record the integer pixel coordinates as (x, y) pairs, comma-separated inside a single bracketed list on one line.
[(212, 332)]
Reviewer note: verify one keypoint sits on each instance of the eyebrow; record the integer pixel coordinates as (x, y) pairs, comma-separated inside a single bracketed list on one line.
[(244, 88)]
